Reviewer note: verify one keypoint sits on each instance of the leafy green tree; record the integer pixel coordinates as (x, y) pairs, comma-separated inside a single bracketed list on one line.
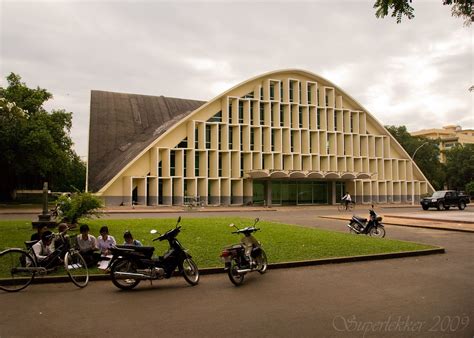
[(427, 155), (35, 145), (400, 8), (460, 166), (30, 100), (470, 188)]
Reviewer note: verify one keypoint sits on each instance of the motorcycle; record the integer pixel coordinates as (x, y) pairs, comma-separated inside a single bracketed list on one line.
[(247, 256), (131, 264), (373, 227)]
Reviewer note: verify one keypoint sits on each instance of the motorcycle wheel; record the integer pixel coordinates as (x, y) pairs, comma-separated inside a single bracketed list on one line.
[(262, 263), (121, 282), (190, 271), (352, 230), (235, 277), (377, 231)]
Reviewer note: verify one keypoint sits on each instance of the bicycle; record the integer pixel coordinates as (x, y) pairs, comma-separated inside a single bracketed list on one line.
[(191, 202), (342, 206), (18, 267)]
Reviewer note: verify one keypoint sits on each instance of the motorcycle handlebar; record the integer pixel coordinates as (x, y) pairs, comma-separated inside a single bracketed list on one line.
[(241, 231), (167, 234)]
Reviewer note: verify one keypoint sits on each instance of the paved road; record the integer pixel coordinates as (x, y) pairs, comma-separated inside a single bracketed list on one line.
[(423, 297)]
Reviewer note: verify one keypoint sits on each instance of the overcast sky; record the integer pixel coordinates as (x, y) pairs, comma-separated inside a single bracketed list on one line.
[(416, 73)]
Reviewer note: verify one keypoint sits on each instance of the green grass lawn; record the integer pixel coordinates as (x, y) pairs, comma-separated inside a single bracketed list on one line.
[(205, 238)]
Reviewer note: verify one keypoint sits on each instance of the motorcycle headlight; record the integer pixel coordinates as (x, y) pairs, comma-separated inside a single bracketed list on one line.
[(434, 200)]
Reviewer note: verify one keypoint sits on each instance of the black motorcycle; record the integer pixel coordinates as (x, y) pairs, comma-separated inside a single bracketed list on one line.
[(247, 256), (373, 227), (131, 264)]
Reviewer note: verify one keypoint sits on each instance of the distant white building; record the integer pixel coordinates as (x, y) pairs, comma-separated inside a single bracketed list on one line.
[(449, 136)]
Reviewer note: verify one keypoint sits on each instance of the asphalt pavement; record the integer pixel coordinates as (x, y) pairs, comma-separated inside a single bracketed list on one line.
[(427, 296)]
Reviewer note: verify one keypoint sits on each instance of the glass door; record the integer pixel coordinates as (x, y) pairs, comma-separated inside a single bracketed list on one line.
[(289, 192), (305, 193), (258, 192)]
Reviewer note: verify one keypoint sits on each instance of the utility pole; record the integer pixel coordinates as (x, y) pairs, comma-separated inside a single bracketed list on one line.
[(413, 176)]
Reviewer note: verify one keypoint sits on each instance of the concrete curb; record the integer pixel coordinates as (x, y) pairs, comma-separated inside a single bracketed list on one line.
[(273, 266), (409, 225), (430, 219), (432, 227)]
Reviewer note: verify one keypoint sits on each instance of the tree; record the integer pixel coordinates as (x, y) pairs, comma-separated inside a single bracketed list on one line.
[(399, 8), (460, 166), (470, 189), (427, 157), (35, 145)]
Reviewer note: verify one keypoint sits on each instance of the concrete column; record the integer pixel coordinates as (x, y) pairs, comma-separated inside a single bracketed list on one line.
[(268, 193), (333, 189)]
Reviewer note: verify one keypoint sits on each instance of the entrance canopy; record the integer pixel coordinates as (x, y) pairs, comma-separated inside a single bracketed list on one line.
[(272, 174)]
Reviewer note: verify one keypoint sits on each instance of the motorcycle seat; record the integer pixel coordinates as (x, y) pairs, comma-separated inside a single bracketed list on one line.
[(234, 247), (360, 219), (145, 250)]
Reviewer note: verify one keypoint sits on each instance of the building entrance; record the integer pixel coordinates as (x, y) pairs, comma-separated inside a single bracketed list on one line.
[(296, 192)]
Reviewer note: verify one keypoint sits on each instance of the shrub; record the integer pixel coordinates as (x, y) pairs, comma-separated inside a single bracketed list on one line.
[(79, 205)]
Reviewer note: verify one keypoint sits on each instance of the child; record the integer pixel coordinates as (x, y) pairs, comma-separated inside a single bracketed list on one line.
[(127, 236)]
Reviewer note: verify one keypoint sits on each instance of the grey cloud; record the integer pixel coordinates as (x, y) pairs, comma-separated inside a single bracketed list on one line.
[(142, 47)]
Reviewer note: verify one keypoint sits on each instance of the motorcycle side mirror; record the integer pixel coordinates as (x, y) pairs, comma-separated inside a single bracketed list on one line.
[(231, 225), (372, 206), (256, 220), (179, 220)]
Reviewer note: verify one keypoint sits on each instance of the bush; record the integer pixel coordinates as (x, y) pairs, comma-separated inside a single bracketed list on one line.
[(79, 205)]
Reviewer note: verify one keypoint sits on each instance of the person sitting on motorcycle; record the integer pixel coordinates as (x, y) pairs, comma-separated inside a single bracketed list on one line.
[(127, 236), (346, 199)]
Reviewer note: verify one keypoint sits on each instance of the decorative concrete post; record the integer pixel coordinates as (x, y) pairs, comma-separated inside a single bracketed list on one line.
[(45, 217)]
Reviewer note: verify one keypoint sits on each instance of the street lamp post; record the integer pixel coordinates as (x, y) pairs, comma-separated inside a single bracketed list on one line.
[(413, 176)]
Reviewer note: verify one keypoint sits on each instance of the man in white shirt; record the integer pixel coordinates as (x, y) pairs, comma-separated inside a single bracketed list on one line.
[(44, 248), (87, 245), (347, 199), (105, 241)]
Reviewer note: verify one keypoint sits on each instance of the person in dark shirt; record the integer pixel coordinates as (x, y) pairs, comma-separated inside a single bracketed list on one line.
[(37, 235)]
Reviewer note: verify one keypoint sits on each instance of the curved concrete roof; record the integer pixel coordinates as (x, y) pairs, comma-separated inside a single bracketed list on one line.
[(203, 105)]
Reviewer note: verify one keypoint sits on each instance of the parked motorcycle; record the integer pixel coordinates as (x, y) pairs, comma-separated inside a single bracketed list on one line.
[(247, 256), (373, 227), (132, 264)]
